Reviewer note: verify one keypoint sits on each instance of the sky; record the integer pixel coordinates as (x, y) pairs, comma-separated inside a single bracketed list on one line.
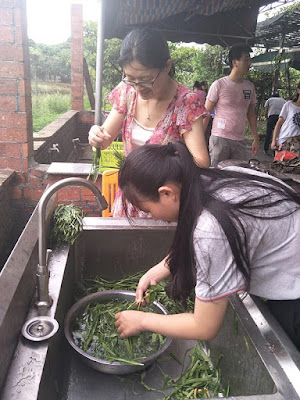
[(49, 21)]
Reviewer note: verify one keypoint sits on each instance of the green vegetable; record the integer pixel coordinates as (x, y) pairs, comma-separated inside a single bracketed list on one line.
[(200, 379), (156, 292), (66, 224), (95, 333), (120, 158), (95, 164)]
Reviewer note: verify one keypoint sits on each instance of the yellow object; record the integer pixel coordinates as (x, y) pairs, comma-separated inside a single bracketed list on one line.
[(108, 158), (109, 189)]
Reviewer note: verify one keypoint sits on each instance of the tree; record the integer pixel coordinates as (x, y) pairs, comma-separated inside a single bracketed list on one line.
[(51, 62), (112, 72)]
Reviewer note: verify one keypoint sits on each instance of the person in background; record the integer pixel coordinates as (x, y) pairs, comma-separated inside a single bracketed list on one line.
[(273, 107), (203, 85), (286, 135), (149, 106), (202, 88), (237, 230), (234, 100)]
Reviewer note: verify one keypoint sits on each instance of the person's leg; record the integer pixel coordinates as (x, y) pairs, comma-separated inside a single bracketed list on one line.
[(218, 150), (271, 122), (287, 313), (238, 150)]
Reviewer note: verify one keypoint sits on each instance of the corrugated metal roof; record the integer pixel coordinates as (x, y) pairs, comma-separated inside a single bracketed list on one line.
[(223, 22), (285, 25)]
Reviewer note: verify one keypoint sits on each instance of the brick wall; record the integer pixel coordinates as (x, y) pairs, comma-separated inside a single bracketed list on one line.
[(20, 195), (77, 85), (60, 133), (16, 142), (85, 119)]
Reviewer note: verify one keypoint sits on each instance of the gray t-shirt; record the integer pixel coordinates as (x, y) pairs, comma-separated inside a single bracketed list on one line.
[(274, 105), (273, 247)]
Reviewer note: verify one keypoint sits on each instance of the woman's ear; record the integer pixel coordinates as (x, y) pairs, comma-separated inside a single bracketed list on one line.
[(170, 191), (168, 65)]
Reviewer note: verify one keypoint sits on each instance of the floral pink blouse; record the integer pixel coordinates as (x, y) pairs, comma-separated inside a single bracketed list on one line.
[(183, 110)]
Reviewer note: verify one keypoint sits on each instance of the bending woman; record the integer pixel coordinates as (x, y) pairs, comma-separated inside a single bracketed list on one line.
[(237, 230), (286, 135), (149, 106)]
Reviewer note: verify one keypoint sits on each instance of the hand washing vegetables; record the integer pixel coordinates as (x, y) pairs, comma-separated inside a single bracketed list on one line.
[(95, 333), (130, 282), (198, 377)]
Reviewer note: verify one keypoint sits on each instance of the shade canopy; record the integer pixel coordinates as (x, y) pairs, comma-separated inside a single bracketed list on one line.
[(268, 62), (282, 27), (223, 22)]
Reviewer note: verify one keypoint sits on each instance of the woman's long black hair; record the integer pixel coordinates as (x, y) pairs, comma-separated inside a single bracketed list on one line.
[(149, 167), (146, 46), (296, 97)]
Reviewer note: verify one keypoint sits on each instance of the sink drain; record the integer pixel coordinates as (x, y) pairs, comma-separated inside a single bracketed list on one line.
[(40, 328)]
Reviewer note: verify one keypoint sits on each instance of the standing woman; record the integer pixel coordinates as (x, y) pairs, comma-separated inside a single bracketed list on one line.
[(237, 230), (286, 134), (149, 106)]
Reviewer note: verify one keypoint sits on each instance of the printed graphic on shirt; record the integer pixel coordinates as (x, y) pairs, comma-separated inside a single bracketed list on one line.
[(247, 94), (221, 123), (296, 119)]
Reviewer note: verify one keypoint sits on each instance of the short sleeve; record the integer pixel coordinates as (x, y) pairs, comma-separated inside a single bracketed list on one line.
[(253, 95), (213, 93), (190, 108), (284, 111), (217, 274), (119, 97), (267, 103)]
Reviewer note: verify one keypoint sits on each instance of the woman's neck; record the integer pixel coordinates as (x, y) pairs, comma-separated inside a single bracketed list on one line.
[(167, 90), (297, 102)]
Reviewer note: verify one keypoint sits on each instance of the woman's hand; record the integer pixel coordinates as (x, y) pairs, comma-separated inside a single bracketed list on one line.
[(99, 137), (273, 144), (129, 323), (151, 277)]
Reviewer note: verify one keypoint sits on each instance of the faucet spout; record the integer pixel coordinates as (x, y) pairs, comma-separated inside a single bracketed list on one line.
[(43, 298)]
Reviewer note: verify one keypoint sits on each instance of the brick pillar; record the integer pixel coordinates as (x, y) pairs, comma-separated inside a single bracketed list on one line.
[(77, 87), (16, 137)]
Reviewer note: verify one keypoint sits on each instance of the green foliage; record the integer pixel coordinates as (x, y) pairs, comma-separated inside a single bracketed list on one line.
[(49, 105), (191, 63), (50, 62), (111, 52), (209, 63)]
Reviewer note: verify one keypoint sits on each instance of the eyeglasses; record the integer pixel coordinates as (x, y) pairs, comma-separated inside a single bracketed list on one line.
[(147, 85)]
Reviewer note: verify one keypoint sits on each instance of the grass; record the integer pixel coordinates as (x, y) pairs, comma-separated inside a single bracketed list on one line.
[(49, 101)]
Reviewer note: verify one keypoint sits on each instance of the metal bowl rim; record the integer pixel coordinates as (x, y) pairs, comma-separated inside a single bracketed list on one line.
[(102, 361)]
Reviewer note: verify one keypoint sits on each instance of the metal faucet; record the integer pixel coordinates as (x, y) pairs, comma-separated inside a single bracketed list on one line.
[(54, 148), (43, 298)]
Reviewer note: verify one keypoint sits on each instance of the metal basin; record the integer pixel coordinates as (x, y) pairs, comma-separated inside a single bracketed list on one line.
[(103, 365)]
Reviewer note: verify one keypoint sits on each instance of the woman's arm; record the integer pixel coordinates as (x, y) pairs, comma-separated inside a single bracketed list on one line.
[(195, 142), (209, 105), (112, 127), (155, 274), (277, 128), (203, 324)]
